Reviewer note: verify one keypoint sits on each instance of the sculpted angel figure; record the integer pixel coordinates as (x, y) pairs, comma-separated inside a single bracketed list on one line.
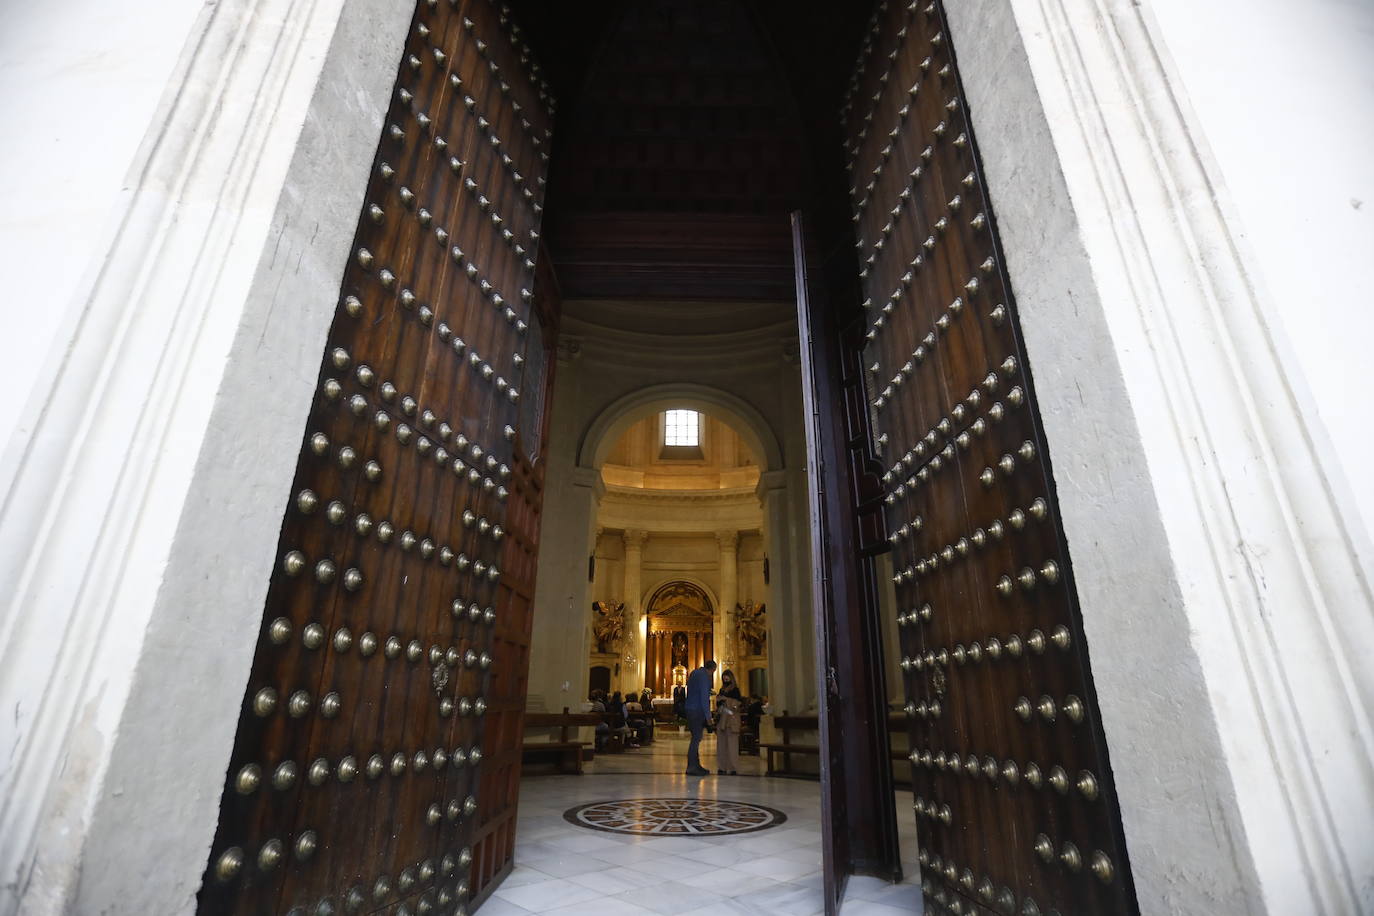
[(608, 624), (752, 626)]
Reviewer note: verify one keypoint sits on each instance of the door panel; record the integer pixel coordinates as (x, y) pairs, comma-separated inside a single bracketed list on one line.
[(1014, 797), (377, 757), (822, 456)]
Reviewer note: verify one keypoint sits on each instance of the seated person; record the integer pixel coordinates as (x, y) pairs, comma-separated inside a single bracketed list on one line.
[(640, 724), (615, 716), (752, 713), (603, 730)]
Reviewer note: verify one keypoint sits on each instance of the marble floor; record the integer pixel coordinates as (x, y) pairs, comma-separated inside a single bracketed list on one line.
[(563, 868)]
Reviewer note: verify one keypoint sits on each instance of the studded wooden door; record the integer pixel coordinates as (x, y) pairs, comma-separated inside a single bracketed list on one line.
[(1014, 798), (376, 763)]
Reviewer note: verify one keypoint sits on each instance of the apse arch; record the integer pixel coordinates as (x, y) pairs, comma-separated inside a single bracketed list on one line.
[(612, 422), (649, 594)]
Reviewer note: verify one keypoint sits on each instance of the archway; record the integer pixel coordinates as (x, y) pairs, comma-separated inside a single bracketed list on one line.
[(680, 619), (612, 422)]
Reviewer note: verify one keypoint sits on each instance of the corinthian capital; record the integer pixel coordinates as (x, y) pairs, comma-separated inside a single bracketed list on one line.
[(728, 540), (635, 537)]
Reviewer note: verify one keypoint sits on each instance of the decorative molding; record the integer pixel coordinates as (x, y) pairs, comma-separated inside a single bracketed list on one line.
[(644, 495), (1145, 324)]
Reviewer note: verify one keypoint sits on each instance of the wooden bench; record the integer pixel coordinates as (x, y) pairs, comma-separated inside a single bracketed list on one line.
[(786, 748), (568, 752)]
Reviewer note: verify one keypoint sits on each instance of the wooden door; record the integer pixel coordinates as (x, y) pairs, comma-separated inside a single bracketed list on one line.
[(377, 757), (858, 823), (1013, 788)]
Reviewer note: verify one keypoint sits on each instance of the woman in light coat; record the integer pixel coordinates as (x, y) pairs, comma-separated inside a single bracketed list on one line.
[(729, 712)]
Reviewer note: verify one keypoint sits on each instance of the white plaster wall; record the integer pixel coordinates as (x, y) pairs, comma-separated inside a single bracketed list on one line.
[(1224, 609), (1285, 105), (140, 510), (80, 81)]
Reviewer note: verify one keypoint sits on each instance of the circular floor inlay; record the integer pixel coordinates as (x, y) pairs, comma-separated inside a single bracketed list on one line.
[(674, 816)]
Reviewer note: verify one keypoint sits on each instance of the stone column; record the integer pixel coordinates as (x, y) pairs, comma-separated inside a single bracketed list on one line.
[(724, 628), (632, 677)]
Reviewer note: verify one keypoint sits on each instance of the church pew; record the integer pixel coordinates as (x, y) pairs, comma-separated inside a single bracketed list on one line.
[(569, 753)]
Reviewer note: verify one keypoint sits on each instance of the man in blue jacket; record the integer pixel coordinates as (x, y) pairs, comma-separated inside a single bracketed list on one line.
[(699, 684)]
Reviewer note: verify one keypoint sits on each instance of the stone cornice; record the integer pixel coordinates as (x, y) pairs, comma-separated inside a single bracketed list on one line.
[(744, 495)]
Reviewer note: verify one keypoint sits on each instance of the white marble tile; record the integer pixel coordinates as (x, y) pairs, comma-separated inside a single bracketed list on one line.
[(496, 906), (714, 855), (601, 906), (545, 895), (741, 884), (870, 908), (616, 880), (564, 868), (804, 854), (723, 907), (775, 867), (569, 864), (902, 896), (669, 898), (863, 886), (584, 841), (785, 900), (522, 874)]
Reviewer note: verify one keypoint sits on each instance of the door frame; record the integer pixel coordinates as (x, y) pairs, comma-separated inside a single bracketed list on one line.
[(116, 519)]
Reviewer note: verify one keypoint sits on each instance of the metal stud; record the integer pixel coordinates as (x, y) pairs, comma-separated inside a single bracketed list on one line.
[(284, 776), (229, 864), (1073, 709), (1101, 867), (312, 636), (306, 844), (318, 774), (299, 704), (265, 702), (279, 631), (1070, 857), (248, 779), (1022, 708)]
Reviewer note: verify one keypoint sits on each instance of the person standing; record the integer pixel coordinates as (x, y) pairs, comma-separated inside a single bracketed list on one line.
[(698, 710), (729, 711)]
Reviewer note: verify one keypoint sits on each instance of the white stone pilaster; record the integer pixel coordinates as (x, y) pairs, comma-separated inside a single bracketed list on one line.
[(724, 624), (632, 676)]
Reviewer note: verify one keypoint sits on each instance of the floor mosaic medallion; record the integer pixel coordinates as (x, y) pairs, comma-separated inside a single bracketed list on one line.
[(674, 816)]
